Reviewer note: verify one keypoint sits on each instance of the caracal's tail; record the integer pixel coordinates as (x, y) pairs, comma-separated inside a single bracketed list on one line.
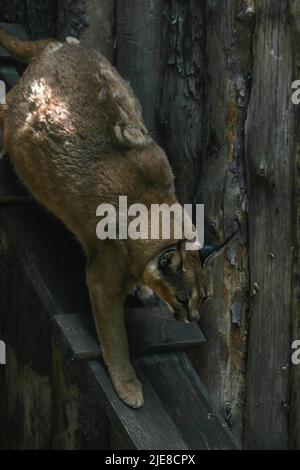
[(20, 49)]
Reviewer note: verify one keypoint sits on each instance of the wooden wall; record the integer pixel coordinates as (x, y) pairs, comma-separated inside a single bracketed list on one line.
[(38, 16), (214, 78), (46, 400)]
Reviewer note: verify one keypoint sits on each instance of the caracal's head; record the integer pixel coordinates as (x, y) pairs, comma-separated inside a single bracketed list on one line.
[(182, 279)]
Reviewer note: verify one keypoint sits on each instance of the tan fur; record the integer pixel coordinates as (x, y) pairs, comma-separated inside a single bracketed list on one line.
[(74, 131)]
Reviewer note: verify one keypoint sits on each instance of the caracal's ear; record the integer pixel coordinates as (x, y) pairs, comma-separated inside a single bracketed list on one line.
[(209, 253)]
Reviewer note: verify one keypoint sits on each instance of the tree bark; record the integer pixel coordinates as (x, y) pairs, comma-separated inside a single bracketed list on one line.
[(180, 103), (38, 16), (221, 362), (269, 151), (91, 21), (100, 32)]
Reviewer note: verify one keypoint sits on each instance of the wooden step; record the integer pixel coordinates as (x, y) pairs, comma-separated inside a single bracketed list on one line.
[(150, 329), (148, 428), (187, 402)]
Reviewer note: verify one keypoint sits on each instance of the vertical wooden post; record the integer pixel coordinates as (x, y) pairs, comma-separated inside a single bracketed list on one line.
[(91, 21), (138, 55), (100, 32), (269, 151), (294, 424), (221, 361), (180, 104)]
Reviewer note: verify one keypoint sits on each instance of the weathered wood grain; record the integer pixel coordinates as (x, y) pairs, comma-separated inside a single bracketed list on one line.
[(187, 402), (138, 54), (91, 21), (149, 330), (180, 104), (221, 362), (13, 11), (71, 18), (269, 150), (294, 413), (45, 401), (38, 16), (100, 32), (149, 428), (154, 329)]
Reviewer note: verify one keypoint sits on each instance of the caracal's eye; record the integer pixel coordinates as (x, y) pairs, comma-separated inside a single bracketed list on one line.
[(164, 260), (172, 259)]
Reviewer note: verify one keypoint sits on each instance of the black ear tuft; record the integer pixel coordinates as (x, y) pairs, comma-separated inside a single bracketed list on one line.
[(210, 252), (207, 252)]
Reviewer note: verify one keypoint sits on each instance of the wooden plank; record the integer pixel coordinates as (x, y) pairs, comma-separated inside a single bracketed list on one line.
[(187, 402), (149, 428), (155, 329), (294, 421), (149, 330), (269, 149), (81, 343)]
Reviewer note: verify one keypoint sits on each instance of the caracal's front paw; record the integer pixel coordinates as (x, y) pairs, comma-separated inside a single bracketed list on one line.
[(130, 392)]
